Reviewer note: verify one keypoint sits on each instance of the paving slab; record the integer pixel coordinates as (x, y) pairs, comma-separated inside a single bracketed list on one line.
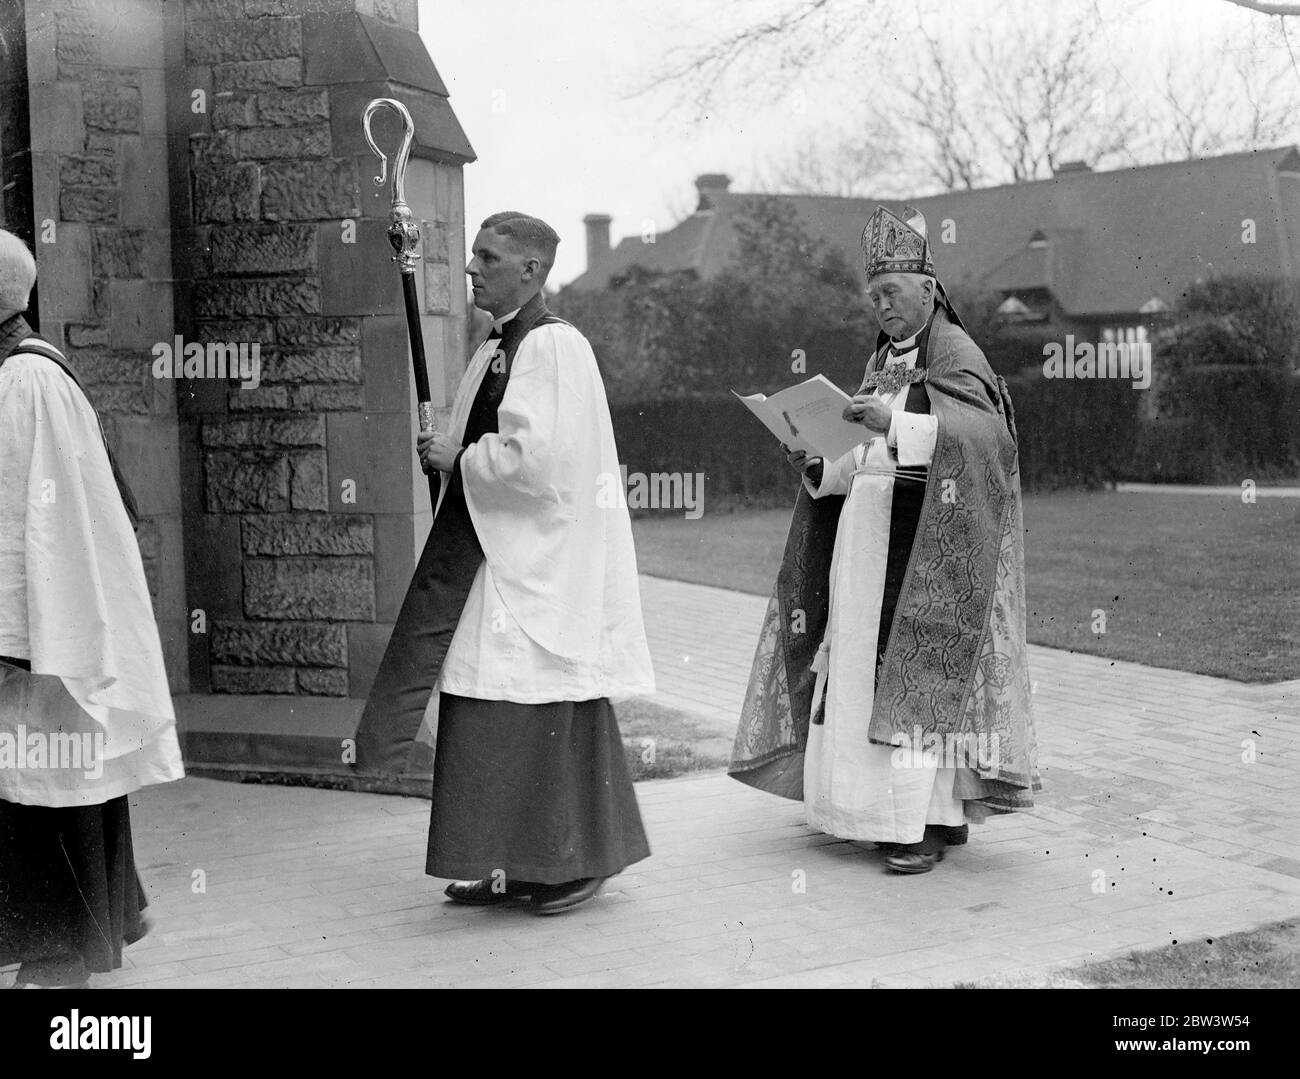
[(1168, 814)]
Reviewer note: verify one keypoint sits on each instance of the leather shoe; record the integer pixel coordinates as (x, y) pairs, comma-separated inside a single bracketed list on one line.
[(485, 893), (561, 897), (913, 861)]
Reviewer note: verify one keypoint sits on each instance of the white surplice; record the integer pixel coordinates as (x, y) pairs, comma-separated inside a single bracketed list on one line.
[(74, 603), (554, 613), (852, 787)]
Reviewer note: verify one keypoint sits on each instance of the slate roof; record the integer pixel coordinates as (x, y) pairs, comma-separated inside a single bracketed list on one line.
[(1114, 240)]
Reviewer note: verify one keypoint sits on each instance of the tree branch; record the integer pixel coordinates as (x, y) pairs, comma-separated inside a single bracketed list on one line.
[(1266, 8)]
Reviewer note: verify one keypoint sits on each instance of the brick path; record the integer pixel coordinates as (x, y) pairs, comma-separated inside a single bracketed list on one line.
[(1147, 800)]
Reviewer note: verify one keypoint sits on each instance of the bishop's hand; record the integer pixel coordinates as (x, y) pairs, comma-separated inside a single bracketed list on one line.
[(436, 451), (870, 411), (801, 462)]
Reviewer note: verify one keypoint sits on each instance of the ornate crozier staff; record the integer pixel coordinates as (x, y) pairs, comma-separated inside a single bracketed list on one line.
[(404, 236)]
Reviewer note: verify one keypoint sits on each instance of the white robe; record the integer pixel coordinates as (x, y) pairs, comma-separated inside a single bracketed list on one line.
[(852, 787), (74, 602), (554, 613)]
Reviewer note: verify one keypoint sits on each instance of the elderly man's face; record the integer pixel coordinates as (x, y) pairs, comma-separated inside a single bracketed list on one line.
[(902, 302)]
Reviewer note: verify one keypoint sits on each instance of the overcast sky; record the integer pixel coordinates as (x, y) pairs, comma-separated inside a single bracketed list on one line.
[(543, 90)]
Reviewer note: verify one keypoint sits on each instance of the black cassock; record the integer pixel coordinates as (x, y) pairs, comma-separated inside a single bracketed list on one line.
[(538, 792)]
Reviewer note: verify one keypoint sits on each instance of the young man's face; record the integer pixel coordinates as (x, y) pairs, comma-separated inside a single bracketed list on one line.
[(501, 276), (902, 302)]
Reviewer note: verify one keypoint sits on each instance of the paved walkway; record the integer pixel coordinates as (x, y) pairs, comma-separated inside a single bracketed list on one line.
[(1169, 814), (1202, 489)]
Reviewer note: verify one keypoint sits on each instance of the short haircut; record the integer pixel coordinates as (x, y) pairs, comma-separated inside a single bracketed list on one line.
[(530, 234), (17, 273)]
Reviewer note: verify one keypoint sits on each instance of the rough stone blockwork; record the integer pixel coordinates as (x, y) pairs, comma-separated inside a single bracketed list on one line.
[(264, 177), (95, 157), (275, 167)]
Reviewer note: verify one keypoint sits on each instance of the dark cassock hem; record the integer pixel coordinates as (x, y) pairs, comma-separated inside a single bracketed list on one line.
[(70, 897), (538, 792)]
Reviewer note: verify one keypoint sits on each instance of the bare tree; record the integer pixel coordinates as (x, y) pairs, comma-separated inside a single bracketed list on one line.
[(936, 115), (996, 106), (1186, 99), (853, 164), (1270, 112), (1234, 96), (1266, 8), (1012, 107), (766, 51)]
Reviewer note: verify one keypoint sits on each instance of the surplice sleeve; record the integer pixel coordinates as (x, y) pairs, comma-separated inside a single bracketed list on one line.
[(524, 458), (913, 435)]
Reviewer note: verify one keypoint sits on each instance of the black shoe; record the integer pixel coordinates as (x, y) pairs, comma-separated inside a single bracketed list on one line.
[(907, 860), (486, 893), (923, 856), (561, 897)]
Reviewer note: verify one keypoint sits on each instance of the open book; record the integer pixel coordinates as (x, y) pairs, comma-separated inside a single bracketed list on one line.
[(809, 417)]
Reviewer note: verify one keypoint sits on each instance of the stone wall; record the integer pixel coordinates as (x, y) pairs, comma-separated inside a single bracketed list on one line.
[(102, 234), (197, 178), (15, 124), (305, 507)]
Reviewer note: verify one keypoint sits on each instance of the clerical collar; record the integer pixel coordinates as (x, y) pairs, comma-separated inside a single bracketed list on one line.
[(497, 323), (905, 345)]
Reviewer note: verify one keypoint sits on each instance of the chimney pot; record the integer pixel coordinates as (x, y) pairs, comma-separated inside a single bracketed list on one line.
[(597, 239), (709, 185)]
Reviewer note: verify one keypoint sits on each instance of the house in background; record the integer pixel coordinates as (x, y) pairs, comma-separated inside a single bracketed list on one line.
[(1097, 254)]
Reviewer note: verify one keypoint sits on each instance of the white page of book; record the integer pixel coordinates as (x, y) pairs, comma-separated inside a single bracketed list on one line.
[(809, 417)]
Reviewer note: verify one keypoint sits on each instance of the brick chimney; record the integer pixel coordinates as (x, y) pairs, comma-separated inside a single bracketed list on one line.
[(710, 185), (597, 239)]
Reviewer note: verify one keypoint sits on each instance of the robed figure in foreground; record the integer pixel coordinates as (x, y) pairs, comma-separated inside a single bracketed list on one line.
[(85, 713), (890, 689), (524, 615)]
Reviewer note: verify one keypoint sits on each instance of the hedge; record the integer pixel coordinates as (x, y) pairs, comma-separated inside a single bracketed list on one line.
[(1226, 423), (1071, 433)]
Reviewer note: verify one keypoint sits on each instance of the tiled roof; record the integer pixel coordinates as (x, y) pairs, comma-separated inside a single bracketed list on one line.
[(1114, 239)]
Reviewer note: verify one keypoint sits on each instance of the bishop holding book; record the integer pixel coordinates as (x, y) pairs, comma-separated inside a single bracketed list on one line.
[(890, 689)]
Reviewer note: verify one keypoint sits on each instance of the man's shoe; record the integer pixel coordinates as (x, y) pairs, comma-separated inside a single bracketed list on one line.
[(913, 861), (486, 893), (561, 897)]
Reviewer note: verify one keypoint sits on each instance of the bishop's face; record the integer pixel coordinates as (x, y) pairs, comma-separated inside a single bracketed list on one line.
[(501, 276), (902, 302)]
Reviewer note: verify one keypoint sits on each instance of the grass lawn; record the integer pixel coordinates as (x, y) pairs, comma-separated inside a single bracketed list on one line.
[(1196, 583), (662, 742), (1265, 958)]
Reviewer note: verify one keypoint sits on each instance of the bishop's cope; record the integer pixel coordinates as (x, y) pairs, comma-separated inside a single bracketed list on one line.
[(890, 687), (523, 616)]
